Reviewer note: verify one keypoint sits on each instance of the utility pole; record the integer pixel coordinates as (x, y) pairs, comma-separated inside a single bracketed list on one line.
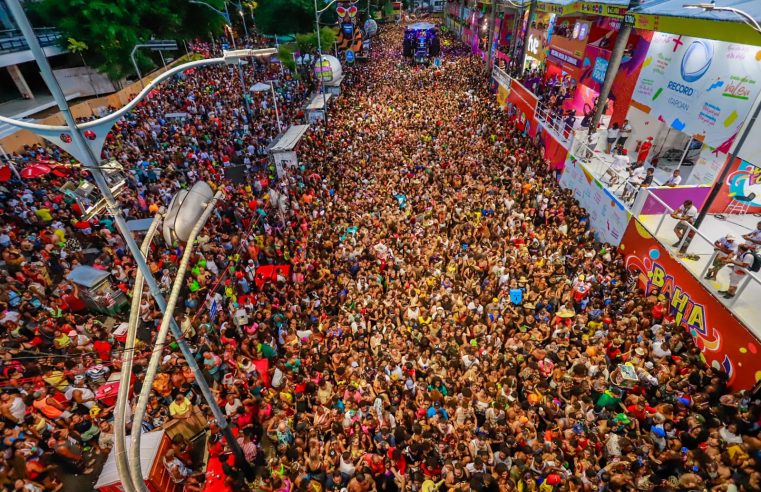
[(613, 65), (531, 12), (490, 43)]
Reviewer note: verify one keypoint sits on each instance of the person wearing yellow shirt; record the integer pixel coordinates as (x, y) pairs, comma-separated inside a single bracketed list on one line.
[(181, 408)]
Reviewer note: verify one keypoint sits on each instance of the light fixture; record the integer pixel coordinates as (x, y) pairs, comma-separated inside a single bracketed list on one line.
[(712, 7)]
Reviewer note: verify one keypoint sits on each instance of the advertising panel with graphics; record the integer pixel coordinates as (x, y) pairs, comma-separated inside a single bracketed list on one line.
[(741, 191), (606, 213), (349, 40), (595, 63), (702, 87), (521, 106), (569, 39), (724, 342)]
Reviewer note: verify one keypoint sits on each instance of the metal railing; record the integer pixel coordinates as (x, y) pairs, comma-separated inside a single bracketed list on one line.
[(12, 40), (687, 240), (555, 123)]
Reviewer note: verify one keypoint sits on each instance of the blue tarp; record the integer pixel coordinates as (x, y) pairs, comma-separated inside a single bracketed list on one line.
[(675, 8)]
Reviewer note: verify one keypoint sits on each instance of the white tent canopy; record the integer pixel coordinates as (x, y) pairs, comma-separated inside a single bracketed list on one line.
[(260, 87), (289, 139), (318, 102), (149, 448)]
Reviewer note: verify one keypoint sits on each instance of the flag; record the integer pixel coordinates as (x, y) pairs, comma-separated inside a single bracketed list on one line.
[(214, 309)]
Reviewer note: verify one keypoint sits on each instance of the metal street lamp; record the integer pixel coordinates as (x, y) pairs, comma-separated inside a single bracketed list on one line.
[(270, 86), (245, 27), (155, 45), (71, 138), (712, 7), (317, 15)]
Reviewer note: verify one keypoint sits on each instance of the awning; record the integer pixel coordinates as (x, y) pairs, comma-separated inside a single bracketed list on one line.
[(670, 16), (318, 102), (289, 139), (87, 276), (150, 442)]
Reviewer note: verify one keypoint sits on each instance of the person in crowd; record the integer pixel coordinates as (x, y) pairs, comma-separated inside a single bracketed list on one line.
[(725, 248), (684, 214), (424, 307)]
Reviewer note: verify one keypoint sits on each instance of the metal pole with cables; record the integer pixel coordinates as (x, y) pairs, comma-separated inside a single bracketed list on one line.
[(153, 365), (91, 162), (122, 464)]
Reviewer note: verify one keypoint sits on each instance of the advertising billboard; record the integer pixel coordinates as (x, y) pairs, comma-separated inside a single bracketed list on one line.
[(702, 87), (607, 214), (724, 342)]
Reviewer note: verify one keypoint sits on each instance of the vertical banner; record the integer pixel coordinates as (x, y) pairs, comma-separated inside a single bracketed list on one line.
[(607, 214), (702, 87), (522, 107), (554, 151), (725, 344), (741, 188)]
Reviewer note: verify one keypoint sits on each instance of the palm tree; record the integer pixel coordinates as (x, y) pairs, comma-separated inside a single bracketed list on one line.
[(78, 48)]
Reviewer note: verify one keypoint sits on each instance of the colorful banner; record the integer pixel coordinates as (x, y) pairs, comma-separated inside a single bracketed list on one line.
[(674, 197), (701, 87), (536, 44), (724, 342), (522, 106), (742, 187), (607, 214), (569, 39), (554, 151), (595, 64)]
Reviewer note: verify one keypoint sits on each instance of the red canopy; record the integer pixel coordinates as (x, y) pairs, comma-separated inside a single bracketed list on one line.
[(5, 174), (35, 171)]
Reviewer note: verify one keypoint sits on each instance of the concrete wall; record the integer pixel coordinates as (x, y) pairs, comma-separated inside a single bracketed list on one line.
[(84, 109)]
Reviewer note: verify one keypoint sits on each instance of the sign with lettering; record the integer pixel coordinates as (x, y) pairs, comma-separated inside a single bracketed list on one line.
[(702, 87)]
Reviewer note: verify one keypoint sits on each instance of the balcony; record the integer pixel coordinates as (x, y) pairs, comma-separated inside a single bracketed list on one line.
[(14, 48), (12, 40)]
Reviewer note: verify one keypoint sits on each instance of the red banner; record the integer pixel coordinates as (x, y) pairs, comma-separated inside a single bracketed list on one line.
[(554, 151), (724, 342), (521, 104)]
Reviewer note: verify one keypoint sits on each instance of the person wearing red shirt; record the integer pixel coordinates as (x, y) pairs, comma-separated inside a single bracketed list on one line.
[(103, 349), (641, 410)]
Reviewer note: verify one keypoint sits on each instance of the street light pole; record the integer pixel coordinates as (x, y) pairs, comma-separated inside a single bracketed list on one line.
[(243, 18), (317, 15), (274, 101), (91, 163)]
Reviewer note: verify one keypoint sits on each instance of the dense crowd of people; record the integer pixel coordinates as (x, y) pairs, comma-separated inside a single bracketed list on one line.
[(445, 318)]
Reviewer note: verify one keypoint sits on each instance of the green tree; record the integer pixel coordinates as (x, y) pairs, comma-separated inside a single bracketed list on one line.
[(116, 26), (285, 16), (78, 48), (307, 43)]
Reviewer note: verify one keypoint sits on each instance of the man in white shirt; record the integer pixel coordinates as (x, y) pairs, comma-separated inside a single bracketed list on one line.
[(686, 214), (725, 248), (618, 167), (740, 264), (754, 237), (674, 180)]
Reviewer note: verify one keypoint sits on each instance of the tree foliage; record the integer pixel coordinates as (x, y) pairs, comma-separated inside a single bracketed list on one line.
[(113, 27), (307, 43), (285, 16)]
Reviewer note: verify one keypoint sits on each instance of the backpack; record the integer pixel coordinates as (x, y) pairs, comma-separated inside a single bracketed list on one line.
[(756, 266)]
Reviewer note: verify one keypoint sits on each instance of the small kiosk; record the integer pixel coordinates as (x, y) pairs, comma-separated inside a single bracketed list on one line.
[(317, 107), (153, 447), (97, 291), (334, 86), (284, 150)]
